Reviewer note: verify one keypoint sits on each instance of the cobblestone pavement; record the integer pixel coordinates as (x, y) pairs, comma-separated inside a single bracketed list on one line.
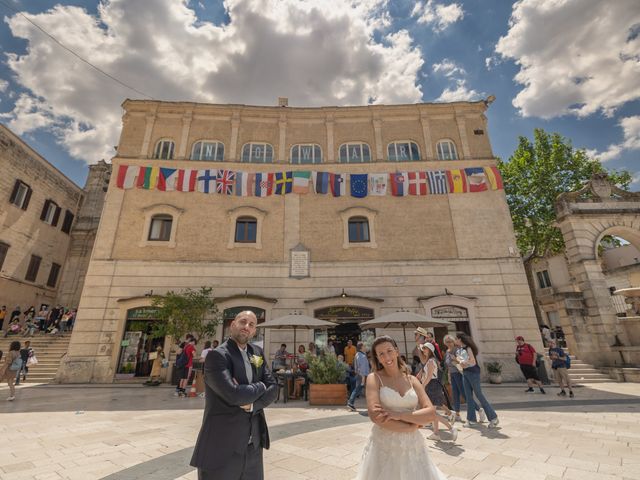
[(132, 432)]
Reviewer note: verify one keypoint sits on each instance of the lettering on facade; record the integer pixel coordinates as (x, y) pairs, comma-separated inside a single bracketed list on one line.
[(344, 312), (449, 311), (300, 260)]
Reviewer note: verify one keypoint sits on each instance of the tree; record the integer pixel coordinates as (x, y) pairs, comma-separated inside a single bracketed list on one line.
[(189, 311), (534, 176)]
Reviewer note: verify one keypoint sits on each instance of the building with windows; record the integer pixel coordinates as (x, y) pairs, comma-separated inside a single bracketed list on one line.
[(37, 210), (342, 213)]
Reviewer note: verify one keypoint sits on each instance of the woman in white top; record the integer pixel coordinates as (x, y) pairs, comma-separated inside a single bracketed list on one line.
[(397, 406)]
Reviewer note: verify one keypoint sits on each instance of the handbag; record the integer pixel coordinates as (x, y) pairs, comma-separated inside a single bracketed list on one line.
[(33, 360), (16, 364)]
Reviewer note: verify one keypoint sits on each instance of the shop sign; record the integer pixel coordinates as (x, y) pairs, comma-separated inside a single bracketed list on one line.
[(143, 313), (449, 311), (344, 312)]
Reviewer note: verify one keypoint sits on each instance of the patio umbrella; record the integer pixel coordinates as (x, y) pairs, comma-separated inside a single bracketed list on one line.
[(402, 320), (296, 321)]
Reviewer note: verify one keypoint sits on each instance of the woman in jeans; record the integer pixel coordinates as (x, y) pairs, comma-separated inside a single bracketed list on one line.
[(466, 357), (10, 368), (455, 378)]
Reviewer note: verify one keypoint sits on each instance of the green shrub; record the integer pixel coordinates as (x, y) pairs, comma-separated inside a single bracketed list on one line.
[(494, 367), (325, 369)]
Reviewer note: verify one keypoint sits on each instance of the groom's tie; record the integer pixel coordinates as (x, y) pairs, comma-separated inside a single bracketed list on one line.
[(247, 364)]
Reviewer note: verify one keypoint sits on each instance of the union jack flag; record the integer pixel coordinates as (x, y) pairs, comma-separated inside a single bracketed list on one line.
[(225, 179)]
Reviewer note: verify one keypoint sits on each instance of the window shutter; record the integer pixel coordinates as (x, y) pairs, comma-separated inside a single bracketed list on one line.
[(68, 221), (27, 198), (14, 194), (43, 215), (56, 216)]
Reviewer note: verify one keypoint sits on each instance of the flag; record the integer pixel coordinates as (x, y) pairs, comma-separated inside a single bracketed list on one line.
[(378, 183), (224, 181), (245, 184), (301, 182), (359, 184), (457, 181), (399, 184), (263, 184), (417, 183), (205, 177), (148, 178), (127, 176), (167, 179), (476, 179), (494, 178), (438, 184), (320, 182), (283, 183), (187, 180), (338, 184)]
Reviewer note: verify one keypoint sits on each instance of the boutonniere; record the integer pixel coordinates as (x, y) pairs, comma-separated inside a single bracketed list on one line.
[(256, 360)]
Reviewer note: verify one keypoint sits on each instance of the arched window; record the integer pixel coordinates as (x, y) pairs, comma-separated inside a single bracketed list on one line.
[(446, 150), (164, 150), (306, 153), (160, 228), (358, 229), (403, 151), (246, 230), (354, 153), (208, 151), (257, 153)]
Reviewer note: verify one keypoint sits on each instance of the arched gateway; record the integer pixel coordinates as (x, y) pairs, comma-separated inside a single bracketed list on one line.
[(584, 218)]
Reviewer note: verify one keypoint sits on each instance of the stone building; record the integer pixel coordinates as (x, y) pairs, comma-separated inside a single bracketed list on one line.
[(38, 205), (337, 256)]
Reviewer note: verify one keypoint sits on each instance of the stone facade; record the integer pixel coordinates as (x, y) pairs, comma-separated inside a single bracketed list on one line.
[(26, 229), (425, 254)]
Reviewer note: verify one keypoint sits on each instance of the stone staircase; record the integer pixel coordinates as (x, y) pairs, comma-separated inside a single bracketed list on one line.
[(48, 350), (582, 373)]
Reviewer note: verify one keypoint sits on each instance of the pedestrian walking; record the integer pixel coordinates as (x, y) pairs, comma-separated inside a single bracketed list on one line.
[(467, 358), (527, 358), (25, 354), (454, 371), (435, 392), (10, 367), (560, 362), (361, 370)]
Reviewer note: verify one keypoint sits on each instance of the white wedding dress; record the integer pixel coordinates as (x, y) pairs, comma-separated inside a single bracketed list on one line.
[(394, 455)]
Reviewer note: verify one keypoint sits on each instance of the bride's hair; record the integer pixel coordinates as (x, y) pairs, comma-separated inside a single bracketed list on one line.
[(374, 356)]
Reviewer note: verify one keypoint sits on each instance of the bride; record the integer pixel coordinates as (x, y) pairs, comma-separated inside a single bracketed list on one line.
[(398, 406)]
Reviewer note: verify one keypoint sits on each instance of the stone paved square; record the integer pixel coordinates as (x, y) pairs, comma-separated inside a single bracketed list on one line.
[(130, 432)]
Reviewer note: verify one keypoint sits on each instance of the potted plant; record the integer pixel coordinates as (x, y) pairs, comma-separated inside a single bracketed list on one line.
[(495, 372), (326, 377)]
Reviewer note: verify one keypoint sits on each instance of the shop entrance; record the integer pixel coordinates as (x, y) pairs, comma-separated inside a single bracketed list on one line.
[(347, 320), (452, 313), (138, 343)]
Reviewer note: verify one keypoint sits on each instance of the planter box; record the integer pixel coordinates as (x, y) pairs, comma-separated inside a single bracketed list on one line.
[(332, 394)]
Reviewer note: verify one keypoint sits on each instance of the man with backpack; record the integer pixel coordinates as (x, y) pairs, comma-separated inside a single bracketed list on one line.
[(560, 363), (527, 358)]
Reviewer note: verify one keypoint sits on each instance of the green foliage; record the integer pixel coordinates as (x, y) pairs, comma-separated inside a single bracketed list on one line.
[(493, 367), (189, 311), (534, 176), (325, 369)]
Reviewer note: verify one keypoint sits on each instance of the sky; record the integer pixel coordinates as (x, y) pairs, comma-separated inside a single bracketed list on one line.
[(567, 66)]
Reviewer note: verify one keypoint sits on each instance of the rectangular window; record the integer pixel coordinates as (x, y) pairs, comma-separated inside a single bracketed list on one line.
[(20, 195), (34, 266), (358, 230), (53, 275), (246, 230), (4, 248), (543, 279), (68, 221), (160, 229), (50, 213)]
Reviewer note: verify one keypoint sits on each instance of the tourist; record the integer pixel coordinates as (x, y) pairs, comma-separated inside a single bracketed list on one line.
[(435, 392), (280, 358), (156, 368), (189, 351), (546, 335), (13, 328), (203, 355), (313, 349), (301, 360), (41, 317), (25, 354), (526, 357), (3, 314), (361, 370), (180, 365), (30, 327), (454, 371), (10, 367), (398, 406), (349, 353), (215, 345), (64, 320), (15, 314), (559, 366), (466, 356), (330, 348)]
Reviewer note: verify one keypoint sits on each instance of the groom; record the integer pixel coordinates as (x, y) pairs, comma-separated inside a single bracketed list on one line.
[(238, 387)]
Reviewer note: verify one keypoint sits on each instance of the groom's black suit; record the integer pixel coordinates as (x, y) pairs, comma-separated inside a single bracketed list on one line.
[(230, 443)]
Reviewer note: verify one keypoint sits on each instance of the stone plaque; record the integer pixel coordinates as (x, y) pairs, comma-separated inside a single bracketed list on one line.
[(300, 260)]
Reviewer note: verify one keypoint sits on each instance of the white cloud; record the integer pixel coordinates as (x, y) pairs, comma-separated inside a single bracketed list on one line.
[(436, 14), (448, 68), (631, 140), (3, 85), (575, 56), (316, 52), (460, 93)]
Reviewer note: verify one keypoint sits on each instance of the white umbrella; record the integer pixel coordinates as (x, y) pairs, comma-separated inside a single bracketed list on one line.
[(296, 321), (402, 320)]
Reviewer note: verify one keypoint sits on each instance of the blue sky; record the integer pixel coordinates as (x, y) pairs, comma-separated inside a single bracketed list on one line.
[(568, 66)]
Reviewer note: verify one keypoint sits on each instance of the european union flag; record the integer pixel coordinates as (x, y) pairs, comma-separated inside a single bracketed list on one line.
[(359, 184)]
